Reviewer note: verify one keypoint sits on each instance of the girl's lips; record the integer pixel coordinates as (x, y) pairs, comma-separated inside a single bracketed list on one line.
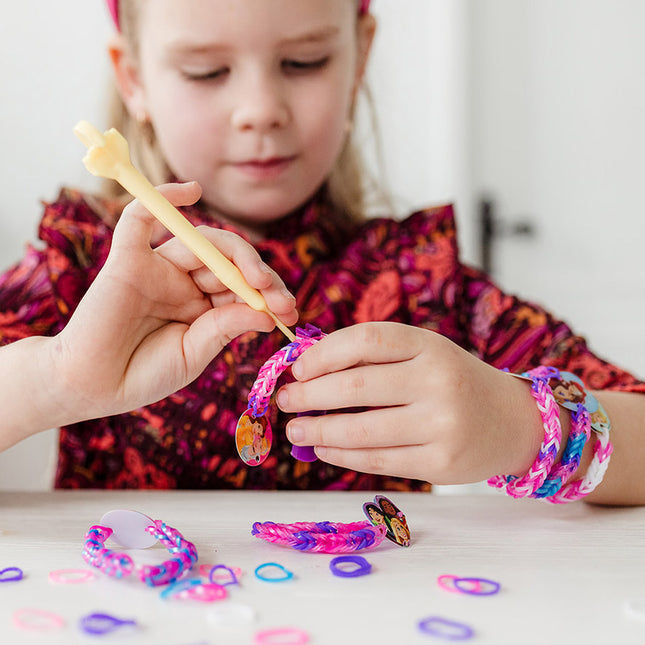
[(265, 168)]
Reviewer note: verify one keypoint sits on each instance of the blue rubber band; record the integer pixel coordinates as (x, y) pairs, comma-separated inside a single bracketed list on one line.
[(287, 574)]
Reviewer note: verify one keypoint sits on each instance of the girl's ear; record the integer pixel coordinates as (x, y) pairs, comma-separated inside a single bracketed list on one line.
[(366, 31), (127, 78)]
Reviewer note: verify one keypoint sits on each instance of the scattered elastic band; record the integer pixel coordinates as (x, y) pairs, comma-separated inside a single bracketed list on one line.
[(71, 576), (470, 586), (286, 574), (99, 624), (284, 635), (447, 629), (37, 620), (11, 574), (207, 592), (363, 566), (232, 577)]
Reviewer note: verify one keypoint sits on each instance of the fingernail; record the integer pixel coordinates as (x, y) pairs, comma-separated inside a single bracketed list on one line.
[(287, 294), (321, 452), (282, 398), (296, 370), (295, 432)]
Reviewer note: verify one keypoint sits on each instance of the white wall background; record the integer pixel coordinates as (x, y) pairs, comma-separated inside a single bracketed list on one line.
[(469, 100)]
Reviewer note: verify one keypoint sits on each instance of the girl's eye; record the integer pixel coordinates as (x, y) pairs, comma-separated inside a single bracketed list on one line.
[(207, 75), (305, 65)]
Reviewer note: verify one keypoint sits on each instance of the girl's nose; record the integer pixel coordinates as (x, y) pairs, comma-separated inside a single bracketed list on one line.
[(261, 107)]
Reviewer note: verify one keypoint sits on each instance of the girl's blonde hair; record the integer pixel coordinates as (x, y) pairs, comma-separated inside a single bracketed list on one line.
[(344, 187)]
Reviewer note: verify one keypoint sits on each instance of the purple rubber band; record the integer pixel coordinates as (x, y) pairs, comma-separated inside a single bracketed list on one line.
[(432, 626), (481, 590), (18, 575), (364, 567), (99, 624)]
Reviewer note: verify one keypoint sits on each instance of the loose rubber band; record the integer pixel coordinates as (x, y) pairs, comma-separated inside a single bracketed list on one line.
[(71, 576), (289, 636), (449, 630), (212, 574), (363, 566), (99, 624), (446, 582), (14, 574), (37, 620), (287, 575), (485, 587), (208, 592)]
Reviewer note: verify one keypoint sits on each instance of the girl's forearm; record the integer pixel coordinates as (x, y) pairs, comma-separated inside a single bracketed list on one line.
[(31, 396)]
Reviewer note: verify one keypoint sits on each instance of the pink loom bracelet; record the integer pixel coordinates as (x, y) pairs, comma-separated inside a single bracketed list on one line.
[(537, 473), (268, 375), (322, 537), (112, 563)]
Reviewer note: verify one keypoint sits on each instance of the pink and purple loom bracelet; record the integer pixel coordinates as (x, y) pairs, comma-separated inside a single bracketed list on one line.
[(119, 565), (321, 537), (253, 434)]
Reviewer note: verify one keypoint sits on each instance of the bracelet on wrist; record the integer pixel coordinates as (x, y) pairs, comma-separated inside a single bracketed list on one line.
[(588, 415)]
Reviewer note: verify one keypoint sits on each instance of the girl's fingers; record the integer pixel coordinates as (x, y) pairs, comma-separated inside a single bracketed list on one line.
[(380, 428), (137, 222), (394, 461), (381, 342), (388, 384)]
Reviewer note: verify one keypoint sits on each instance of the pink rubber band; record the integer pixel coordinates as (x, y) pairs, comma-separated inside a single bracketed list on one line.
[(28, 619), (282, 636), (71, 576), (446, 582)]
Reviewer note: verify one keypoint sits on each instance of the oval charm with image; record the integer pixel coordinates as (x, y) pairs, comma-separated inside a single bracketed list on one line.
[(253, 438)]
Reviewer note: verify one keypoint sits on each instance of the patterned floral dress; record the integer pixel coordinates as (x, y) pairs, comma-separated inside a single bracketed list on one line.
[(382, 269)]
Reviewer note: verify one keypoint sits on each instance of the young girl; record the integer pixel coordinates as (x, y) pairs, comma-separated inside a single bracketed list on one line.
[(254, 100)]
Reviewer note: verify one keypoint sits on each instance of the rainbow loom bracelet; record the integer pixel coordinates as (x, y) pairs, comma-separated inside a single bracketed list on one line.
[(322, 537), (537, 473), (268, 374), (120, 565), (570, 460), (261, 391), (576, 490)]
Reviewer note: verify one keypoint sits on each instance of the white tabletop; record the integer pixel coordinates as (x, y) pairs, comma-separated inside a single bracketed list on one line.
[(568, 574)]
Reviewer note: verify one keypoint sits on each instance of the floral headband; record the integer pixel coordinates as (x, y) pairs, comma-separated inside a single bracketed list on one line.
[(113, 6)]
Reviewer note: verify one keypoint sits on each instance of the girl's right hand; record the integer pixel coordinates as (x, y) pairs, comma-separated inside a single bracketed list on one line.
[(154, 318)]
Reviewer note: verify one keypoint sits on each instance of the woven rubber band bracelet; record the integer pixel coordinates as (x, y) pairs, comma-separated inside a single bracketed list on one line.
[(570, 460), (268, 374), (322, 537), (119, 565), (260, 395), (595, 473), (539, 470)]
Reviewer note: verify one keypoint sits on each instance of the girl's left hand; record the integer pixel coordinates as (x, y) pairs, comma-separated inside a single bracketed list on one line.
[(431, 410)]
